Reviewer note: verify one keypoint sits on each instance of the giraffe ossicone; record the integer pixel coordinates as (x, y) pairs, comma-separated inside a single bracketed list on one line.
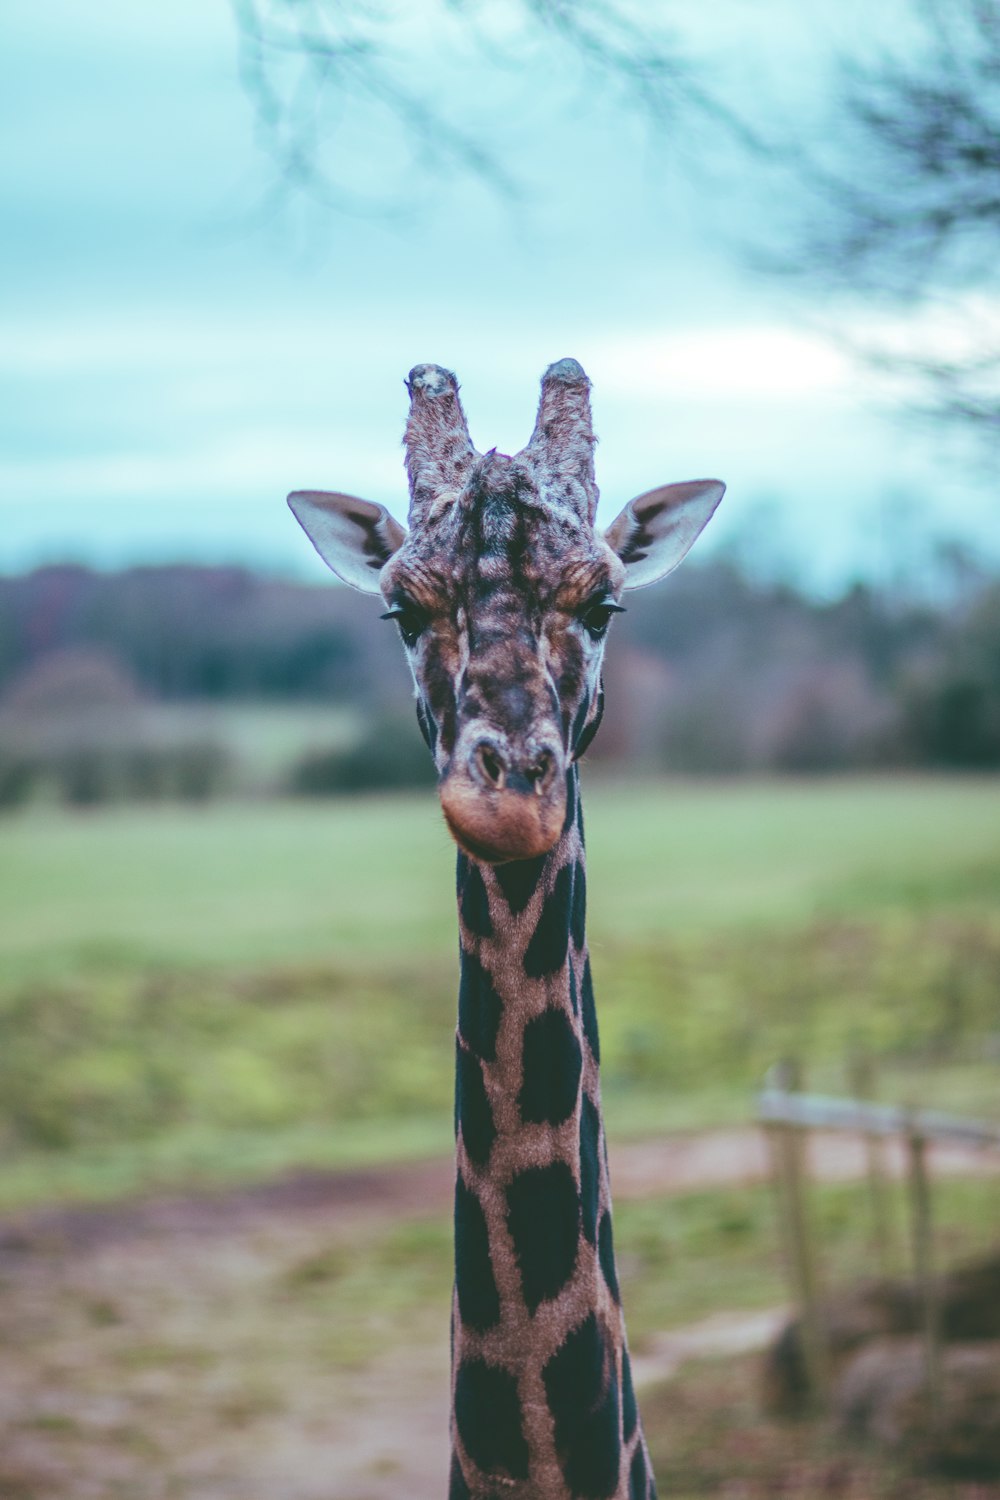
[(503, 591)]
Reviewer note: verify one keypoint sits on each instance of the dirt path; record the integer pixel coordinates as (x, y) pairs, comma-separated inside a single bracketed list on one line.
[(347, 1201), (200, 1347)]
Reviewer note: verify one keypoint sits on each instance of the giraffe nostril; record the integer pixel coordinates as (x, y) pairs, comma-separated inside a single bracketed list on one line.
[(539, 773), (490, 764), (496, 768)]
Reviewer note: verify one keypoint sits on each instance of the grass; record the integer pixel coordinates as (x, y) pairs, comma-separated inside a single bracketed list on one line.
[(231, 885), (681, 1258), (265, 738), (707, 1437), (686, 1257), (260, 739), (368, 879), (200, 996), (193, 997), (143, 1369)]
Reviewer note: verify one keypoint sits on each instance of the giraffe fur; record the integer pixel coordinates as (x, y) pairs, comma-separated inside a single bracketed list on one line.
[(503, 591), (536, 1289)]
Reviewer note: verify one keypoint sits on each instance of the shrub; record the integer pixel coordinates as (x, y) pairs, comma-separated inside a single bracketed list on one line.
[(17, 779), (389, 756), (86, 775), (200, 770), (954, 722)]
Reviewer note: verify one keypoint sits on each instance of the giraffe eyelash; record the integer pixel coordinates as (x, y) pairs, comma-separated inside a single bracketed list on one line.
[(595, 617), (409, 618)]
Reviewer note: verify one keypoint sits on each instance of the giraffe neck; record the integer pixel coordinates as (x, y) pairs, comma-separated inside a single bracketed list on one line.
[(542, 1399)]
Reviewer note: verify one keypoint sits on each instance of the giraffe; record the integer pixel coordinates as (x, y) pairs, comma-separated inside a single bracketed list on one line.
[(503, 592)]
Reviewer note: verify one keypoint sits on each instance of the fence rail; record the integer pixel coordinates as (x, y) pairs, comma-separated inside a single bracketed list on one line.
[(777, 1106), (787, 1115)]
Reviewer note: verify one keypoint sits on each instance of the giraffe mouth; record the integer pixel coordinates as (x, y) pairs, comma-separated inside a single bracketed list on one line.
[(504, 824)]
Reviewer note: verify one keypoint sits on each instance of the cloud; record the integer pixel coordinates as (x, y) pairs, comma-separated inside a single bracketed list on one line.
[(763, 361)]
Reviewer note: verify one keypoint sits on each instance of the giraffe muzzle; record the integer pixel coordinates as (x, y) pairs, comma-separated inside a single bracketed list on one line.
[(501, 804), (497, 771)]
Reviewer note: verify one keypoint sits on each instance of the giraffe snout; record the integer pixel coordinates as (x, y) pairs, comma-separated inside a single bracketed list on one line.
[(504, 801)]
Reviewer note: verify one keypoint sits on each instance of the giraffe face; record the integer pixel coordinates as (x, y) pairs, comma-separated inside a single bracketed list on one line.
[(503, 592), (503, 602)]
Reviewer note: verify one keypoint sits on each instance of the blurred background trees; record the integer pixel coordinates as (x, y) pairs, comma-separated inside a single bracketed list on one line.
[(186, 681)]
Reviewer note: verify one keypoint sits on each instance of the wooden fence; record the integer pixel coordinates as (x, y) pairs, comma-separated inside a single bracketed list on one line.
[(786, 1115)]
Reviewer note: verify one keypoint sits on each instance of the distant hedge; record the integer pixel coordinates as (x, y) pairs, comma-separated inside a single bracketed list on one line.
[(389, 756), (89, 775)]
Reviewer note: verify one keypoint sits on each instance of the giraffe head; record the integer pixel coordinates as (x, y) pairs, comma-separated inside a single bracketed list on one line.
[(503, 591)]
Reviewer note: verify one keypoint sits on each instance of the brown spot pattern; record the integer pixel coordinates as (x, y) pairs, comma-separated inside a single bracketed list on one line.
[(526, 1337), (496, 580)]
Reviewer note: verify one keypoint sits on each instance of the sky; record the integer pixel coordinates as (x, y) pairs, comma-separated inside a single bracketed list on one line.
[(179, 349)]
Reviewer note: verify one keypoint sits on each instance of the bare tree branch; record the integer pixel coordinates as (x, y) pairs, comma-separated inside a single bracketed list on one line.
[(648, 64), (306, 64), (904, 206), (303, 63)]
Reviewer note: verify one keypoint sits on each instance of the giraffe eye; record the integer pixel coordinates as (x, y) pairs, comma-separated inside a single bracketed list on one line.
[(410, 620), (596, 616)]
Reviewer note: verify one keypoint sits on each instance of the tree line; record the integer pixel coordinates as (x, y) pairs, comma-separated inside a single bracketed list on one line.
[(720, 673)]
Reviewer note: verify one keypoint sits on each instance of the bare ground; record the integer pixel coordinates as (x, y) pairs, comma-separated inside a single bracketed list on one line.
[(345, 1201), (182, 1346)]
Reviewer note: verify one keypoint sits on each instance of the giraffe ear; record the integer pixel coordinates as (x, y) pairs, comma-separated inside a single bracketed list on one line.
[(656, 531), (353, 537)]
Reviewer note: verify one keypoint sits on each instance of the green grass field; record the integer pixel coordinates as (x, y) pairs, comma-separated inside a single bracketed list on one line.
[(367, 880), (194, 997), (201, 994)]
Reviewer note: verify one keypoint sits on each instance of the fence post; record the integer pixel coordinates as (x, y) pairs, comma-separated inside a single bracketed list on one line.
[(861, 1078), (776, 1081), (920, 1208), (790, 1174)]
